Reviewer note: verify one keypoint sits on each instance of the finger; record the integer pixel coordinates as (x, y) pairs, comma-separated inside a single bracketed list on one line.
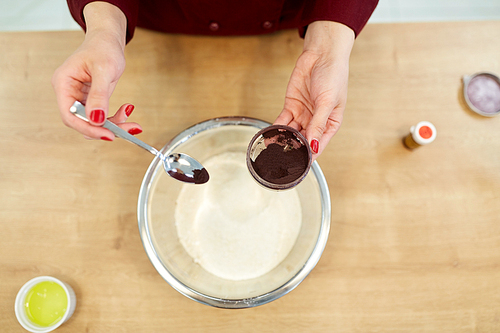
[(131, 128), (295, 124), (97, 103), (333, 122), (90, 131), (316, 128), (122, 114), (284, 118), (121, 117), (86, 88), (67, 92)]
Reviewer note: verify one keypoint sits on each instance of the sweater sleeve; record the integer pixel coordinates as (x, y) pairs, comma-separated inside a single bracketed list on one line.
[(129, 7), (352, 13)]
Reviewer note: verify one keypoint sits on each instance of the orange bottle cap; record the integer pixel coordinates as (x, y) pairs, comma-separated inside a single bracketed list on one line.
[(425, 132)]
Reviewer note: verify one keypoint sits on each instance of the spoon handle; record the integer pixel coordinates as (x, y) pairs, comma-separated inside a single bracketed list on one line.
[(79, 110)]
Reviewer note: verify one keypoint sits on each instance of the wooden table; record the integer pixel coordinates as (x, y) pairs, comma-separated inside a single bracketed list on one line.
[(415, 235)]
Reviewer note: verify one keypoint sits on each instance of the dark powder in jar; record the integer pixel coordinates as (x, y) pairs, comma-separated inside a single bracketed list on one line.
[(284, 160)]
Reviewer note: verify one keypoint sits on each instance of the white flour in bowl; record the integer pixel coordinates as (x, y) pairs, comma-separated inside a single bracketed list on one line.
[(231, 226)]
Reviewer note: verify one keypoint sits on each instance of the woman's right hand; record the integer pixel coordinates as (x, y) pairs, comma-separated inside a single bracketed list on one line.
[(91, 73)]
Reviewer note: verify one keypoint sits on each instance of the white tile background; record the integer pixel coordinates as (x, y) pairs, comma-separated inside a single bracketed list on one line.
[(26, 15)]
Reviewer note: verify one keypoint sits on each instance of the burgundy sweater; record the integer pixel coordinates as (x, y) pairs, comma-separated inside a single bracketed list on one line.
[(233, 17)]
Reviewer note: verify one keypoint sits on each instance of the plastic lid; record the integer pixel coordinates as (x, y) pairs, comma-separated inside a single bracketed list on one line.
[(482, 93), (423, 133)]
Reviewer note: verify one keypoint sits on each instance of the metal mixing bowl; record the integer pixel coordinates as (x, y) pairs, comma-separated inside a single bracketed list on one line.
[(156, 206)]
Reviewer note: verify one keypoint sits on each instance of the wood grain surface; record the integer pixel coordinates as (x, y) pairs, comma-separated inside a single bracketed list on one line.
[(415, 235)]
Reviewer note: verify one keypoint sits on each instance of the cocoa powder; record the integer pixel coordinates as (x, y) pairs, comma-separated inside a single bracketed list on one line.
[(200, 176), (284, 160)]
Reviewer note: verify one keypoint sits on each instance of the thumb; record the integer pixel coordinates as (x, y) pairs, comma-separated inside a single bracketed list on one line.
[(316, 128), (97, 103)]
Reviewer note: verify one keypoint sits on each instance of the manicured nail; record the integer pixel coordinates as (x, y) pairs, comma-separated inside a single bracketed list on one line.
[(97, 116), (105, 138), (129, 109), (315, 145), (135, 131)]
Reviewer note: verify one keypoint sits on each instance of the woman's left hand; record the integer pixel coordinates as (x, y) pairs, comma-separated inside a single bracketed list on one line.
[(317, 91)]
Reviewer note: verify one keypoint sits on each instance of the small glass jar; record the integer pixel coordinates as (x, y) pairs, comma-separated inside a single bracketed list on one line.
[(279, 157)]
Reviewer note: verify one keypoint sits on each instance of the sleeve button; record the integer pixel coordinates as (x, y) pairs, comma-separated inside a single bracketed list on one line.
[(267, 25), (214, 26)]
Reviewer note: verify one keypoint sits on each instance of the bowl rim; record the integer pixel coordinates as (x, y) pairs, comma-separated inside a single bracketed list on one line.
[(142, 218)]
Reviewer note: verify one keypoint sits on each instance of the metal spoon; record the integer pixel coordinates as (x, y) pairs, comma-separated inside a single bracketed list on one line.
[(179, 166)]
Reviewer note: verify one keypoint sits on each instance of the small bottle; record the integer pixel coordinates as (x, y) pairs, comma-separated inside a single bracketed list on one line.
[(421, 134)]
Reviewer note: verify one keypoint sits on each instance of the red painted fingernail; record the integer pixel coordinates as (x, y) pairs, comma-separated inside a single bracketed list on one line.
[(129, 109), (315, 146), (135, 131), (97, 116), (105, 138)]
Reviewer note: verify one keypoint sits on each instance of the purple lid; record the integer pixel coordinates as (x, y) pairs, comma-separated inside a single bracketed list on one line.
[(482, 93)]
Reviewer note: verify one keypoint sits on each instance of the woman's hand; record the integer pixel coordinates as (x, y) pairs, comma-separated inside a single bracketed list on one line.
[(317, 92), (91, 73)]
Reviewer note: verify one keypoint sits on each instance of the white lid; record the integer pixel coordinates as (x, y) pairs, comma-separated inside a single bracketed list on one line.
[(423, 133)]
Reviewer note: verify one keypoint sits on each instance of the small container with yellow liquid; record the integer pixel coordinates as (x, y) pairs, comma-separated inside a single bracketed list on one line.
[(44, 303)]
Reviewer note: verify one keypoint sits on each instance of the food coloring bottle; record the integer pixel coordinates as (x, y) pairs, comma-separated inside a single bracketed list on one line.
[(421, 134)]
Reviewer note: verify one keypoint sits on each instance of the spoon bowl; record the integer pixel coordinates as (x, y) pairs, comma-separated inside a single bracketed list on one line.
[(179, 166), (184, 168)]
